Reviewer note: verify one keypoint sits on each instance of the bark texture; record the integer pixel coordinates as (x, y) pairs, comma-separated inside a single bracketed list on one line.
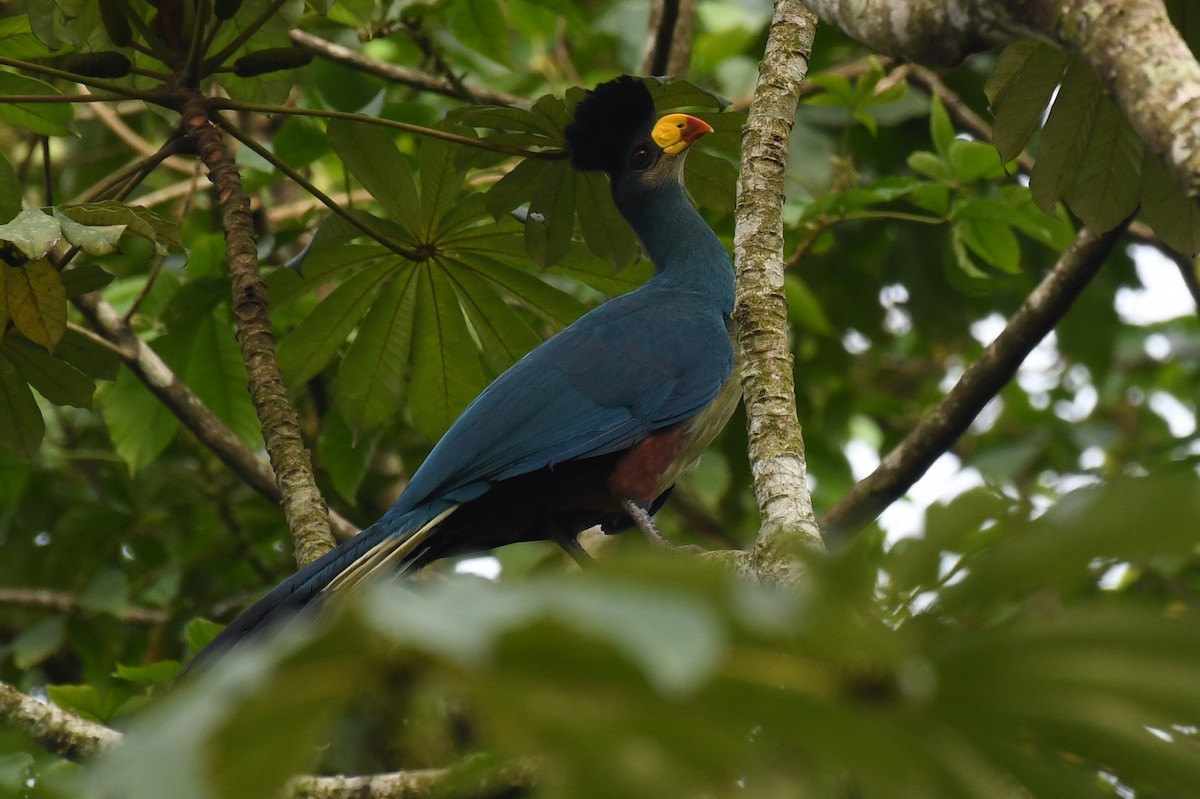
[(1131, 45), (303, 506), (62, 733), (760, 316)]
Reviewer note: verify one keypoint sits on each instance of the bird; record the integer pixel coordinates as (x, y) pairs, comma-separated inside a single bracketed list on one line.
[(594, 425)]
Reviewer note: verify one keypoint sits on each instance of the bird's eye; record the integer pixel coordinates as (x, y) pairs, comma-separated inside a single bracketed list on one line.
[(641, 158)]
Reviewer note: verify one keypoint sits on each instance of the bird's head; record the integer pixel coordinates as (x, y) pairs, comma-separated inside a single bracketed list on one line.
[(615, 130)]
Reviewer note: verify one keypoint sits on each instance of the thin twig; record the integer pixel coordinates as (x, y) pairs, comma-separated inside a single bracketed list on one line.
[(251, 28), (94, 83), (397, 74), (112, 120), (938, 431), (156, 267), (308, 186), (303, 505), (63, 602), (420, 130)]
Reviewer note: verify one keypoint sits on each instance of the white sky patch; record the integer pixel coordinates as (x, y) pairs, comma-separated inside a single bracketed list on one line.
[(1157, 346), (944, 481), (486, 567), (855, 343), (1164, 295), (1180, 419)]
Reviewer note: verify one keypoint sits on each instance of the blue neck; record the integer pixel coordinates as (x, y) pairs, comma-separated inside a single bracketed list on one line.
[(685, 251)]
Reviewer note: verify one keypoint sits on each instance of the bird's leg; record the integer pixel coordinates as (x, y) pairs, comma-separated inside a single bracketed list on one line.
[(642, 518), (570, 544)]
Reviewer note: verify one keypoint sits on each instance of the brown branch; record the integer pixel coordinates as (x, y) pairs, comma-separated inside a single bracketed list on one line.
[(63, 602), (75, 738), (398, 74), (1036, 317), (672, 29), (184, 404), (303, 506), (760, 316), (60, 732)]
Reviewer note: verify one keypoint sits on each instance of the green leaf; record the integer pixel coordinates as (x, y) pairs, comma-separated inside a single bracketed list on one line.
[(445, 370), (16, 771), (21, 424), (1054, 232), (10, 190), (308, 349), (804, 309), (33, 233), (503, 335), (1065, 136), (87, 356), (481, 26), (1107, 186), (42, 639), (37, 302), (139, 221), (1174, 216), (370, 154), (205, 355), (552, 304), (1026, 74), (84, 700), (158, 673), (712, 181), (138, 424), (55, 379), (963, 273), (82, 279), (985, 229), (974, 160), (440, 183), (18, 41), (370, 382), (931, 166), (199, 632), (941, 129), (344, 455), (604, 229), (92, 239), (551, 221), (46, 119), (107, 592), (517, 187)]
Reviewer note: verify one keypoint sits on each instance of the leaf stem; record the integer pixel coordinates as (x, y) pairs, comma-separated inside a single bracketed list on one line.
[(104, 85), (215, 61), (420, 130), (308, 186)]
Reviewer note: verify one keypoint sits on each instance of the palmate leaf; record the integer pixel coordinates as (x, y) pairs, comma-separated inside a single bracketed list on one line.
[(371, 379), (551, 220), (373, 159), (504, 336), (446, 374), (47, 119), (309, 348), (1108, 186), (37, 302)]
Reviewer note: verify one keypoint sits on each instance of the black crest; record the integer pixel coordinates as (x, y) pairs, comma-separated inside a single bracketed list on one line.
[(607, 121)]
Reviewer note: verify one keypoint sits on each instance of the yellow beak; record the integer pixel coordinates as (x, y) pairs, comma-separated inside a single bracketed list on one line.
[(674, 133)]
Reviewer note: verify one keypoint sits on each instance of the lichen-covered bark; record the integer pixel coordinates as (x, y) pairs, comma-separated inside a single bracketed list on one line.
[(1131, 45), (1147, 67), (62, 733), (776, 443), (303, 506)]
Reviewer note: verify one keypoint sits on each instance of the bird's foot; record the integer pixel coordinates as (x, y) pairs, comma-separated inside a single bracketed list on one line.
[(645, 523), (570, 544)]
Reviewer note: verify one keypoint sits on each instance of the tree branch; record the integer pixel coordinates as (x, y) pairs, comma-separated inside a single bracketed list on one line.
[(760, 316), (60, 732), (75, 738), (1037, 316), (1137, 54), (303, 506), (398, 74), (61, 601), (185, 405)]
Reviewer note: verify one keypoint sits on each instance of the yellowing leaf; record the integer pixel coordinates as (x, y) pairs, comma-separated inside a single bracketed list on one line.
[(92, 239), (33, 232), (37, 302)]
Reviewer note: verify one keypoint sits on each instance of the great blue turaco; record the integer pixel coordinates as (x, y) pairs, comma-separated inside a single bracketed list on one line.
[(593, 426)]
